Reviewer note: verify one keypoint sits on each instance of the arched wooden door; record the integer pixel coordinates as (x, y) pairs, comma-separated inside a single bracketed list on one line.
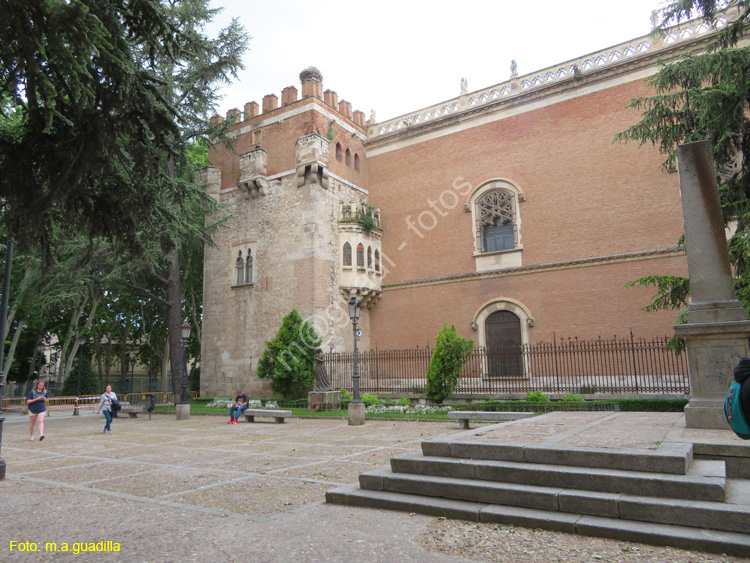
[(503, 343)]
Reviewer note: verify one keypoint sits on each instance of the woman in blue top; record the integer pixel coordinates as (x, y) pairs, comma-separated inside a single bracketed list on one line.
[(105, 406), (37, 404)]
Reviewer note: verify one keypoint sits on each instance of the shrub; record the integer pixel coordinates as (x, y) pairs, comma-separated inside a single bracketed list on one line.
[(587, 389), (370, 399), (536, 397), (89, 383), (288, 359), (451, 351), (572, 398), (345, 396), (653, 405), (406, 401)]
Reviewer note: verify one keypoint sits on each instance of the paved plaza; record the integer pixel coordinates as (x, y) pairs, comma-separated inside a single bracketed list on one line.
[(202, 490)]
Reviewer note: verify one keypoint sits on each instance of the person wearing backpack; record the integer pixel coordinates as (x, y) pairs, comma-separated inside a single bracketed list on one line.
[(737, 401)]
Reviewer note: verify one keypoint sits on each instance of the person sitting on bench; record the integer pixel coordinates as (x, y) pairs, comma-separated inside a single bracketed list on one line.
[(239, 405)]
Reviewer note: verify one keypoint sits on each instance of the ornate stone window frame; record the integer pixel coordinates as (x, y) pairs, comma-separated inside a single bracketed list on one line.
[(503, 304), (243, 251), (502, 258)]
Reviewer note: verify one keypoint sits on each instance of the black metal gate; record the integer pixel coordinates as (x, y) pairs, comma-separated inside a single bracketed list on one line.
[(503, 342)]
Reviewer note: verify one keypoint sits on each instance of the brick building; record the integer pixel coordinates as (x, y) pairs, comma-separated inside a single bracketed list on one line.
[(507, 211)]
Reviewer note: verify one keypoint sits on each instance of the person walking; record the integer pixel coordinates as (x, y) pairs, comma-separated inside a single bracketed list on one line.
[(37, 405), (105, 406)]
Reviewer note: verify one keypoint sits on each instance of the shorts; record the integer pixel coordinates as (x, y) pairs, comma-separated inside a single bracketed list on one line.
[(36, 413)]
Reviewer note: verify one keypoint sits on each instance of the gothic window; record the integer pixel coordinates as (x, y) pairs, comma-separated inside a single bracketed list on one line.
[(338, 152), (356, 162), (369, 257), (249, 267), (240, 269), (377, 260), (348, 157), (360, 256), (496, 218), (347, 254)]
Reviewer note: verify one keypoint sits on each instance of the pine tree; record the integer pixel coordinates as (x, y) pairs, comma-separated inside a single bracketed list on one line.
[(288, 359), (451, 351)]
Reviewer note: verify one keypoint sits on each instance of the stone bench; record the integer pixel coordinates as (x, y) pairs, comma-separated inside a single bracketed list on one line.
[(132, 411), (250, 414), (466, 416)]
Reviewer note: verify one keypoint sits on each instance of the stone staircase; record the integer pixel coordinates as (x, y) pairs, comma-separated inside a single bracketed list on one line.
[(661, 497)]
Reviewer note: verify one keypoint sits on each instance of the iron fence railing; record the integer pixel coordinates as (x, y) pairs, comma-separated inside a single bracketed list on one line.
[(611, 365)]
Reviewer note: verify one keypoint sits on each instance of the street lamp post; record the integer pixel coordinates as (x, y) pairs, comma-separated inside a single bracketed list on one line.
[(183, 408), (356, 407)]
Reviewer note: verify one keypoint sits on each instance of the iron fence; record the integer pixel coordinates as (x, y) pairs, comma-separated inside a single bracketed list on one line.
[(572, 365)]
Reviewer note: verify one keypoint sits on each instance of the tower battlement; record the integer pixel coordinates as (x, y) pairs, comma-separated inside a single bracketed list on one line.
[(311, 81)]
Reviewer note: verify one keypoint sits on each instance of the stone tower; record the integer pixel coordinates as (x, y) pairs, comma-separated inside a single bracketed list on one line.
[(303, 234)]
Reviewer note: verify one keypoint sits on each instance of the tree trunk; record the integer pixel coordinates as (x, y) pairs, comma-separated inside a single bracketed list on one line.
[(175, 323), (13, 345)]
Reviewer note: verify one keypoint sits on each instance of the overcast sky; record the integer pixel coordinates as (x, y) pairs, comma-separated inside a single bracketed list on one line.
[(399, 56)]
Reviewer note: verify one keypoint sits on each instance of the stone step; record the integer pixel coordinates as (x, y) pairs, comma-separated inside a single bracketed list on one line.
[(731, 543), (705, 480), (672, 458), (732, 516)]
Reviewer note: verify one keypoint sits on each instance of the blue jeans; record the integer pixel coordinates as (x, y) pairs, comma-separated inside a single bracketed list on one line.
[(238, 414), (108, 416)]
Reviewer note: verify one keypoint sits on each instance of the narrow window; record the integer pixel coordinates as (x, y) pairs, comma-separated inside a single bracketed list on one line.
[(348, 157), (347, 254), (369, 257), (377, 260), (356, 162), (360, 256), (249, 267), (240, 269), (338, 152)]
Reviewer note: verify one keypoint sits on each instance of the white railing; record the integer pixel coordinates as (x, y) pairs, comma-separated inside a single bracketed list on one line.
[(582, 65)]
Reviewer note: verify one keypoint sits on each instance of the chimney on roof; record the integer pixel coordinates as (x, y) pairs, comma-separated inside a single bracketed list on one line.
[(312, 82)]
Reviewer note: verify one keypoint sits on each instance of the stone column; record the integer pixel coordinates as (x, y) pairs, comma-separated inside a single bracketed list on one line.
[(716, 331)]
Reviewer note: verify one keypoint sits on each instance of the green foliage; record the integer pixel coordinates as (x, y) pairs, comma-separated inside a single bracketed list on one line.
[(704, 95), (406, 401), (587, 389), (288, 359), (346, 397), (89, 385), (653, 405), (367, 219), (536, 397), (451, 351), (572, 398), (370, 399)]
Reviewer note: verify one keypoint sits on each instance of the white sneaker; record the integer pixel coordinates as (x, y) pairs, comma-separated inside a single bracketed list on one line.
[(109, 432)]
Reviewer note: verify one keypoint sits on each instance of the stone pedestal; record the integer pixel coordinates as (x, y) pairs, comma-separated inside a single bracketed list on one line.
[(324, 400), (183, 411), (356, 414), (713, 351)]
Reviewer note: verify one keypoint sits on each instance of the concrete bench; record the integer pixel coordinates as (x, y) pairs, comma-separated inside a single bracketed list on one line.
[(250, 414), (132, 411), (466, 416)]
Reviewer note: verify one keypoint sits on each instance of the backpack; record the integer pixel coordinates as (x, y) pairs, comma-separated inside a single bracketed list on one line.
[(734, 413)]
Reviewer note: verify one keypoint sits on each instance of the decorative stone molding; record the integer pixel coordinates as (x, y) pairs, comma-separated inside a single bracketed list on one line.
[(312, 148), (368, 297), (253, 165), (312, 156)]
